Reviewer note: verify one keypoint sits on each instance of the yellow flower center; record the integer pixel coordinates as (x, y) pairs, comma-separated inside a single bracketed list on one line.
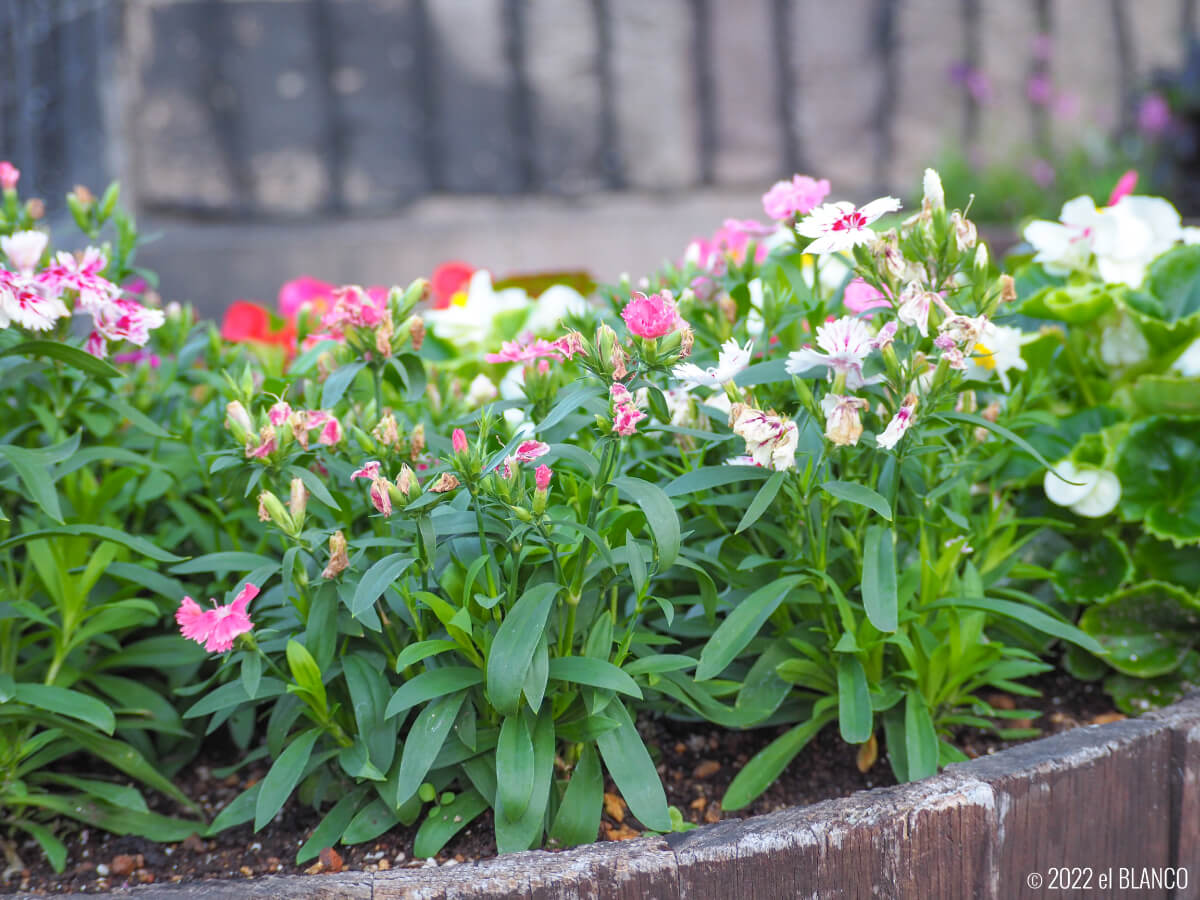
[(459, 298), (985, 356)]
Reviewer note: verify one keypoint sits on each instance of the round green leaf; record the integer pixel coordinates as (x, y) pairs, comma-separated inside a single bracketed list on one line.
[(1147, 630)]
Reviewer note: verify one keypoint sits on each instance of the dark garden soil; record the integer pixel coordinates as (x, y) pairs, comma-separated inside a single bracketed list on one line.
[(697, 763)]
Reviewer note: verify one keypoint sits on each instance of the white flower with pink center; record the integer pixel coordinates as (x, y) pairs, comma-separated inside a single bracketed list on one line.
[(835, 227), (847, 342), (22, 302), (127, 320), (901, 422), (732, 359)]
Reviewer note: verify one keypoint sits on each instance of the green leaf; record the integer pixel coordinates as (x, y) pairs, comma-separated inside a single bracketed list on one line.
[(578, 817), (424, 742), (594, 672), (414, 653), (283, 776), (660, 516), (443, 822), (762, 501), (136, 544), (251, 672), (631, 768), (980, 421), (852, 492), (741, 625), (372, 820), (376, 580), (1156, 466), (880, 599), (1146, 630), (239, 811), (305, 671), (136, 417), (855, 716), (514, 644), (224, 562), (525, 831), (35, 475), (514, 767), (713, 476), (767, 765), (1025, 613), (55, 850), (920, 738), (330, 829), (429, 685), (72, 356), (338, 381), (67, 703)]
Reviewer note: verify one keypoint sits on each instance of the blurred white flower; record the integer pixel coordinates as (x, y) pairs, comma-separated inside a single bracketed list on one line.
[(1093, 493), (471, 322), (1123, 344), (998, 350)]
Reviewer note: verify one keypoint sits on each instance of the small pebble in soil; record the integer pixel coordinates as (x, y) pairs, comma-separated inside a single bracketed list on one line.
[(102, 870)]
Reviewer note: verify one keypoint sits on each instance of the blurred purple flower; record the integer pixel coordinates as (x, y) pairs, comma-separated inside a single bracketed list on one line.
[(1039, 90), (1154, 115), (138, 356), (978, 85), (1042, 172), (1066, 105)]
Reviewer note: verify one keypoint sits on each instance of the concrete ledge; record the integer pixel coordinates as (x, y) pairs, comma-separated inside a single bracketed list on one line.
[(1125, 794)]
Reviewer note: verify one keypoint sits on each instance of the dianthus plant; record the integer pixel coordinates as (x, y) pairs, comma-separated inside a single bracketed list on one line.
[(861, 570)]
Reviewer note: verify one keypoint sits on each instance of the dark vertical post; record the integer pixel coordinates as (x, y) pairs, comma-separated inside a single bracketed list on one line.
[(1040, 70), (702, 77), (972, 55), (520, 95), (885, 51), (325, 45), (224, 112), (1187, 21), (1125, 61), (426, 70), (609, 163), (789, 124), (25, 140)]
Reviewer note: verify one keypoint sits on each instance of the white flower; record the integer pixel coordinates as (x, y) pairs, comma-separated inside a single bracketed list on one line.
[(899, 424), (1188, 362), (679, 405), (22, 301), (1095, 492), (24, 249), (732, 359), (742, 461), (914, 307), (843, 427), (1123, 344), (771, 441), (1124, 238), (842, 226), (471, 322), (552, 305), (998, 349), (512, 387), (935, 197), (481, 391), (719, 401), (846, 342)]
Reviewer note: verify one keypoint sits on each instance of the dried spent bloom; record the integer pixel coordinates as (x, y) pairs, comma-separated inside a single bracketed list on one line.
[(216, 628), (899, 424), (771, 440), (445, 482), (416, 440), (386, 431), (416, 332), (339, 560), (843, 427)]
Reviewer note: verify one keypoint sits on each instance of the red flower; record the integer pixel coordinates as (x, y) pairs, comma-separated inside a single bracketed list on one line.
[(447, 280), (246, 321)]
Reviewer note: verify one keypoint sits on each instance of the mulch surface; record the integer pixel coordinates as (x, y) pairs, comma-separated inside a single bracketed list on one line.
[(697, 763)]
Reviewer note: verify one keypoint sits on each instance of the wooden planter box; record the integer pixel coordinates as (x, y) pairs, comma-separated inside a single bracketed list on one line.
[(1116, 807)]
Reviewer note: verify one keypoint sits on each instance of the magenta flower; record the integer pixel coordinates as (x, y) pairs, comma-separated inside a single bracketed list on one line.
[(542, 477), (570, 344), (354, 306), (528, 451), (127, 320), (797, 197), (9, 175), (266, 444), (304, 291), (859, 296), (369, 470), (331, 428), (1124, 187), (279, 413), (516, 351), (651, 317), (216, 628), (459, 440), (625, 419)]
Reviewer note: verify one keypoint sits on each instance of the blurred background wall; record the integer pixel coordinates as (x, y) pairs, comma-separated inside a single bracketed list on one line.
[(368, 140)]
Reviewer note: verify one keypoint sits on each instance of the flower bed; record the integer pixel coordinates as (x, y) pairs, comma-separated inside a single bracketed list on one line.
[(464, 538)]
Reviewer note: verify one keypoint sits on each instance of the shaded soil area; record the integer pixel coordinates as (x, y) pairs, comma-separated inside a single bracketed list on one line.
[(696, 762)]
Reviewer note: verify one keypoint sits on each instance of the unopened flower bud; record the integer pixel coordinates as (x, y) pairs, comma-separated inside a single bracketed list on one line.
[(616, 362), (407, 483), (981, 259), (687, 340), (271, 504), (481, 391), (339, 560), (935, 196), (542, 477), (238, 421), (459, 441), (36, 209), (522, 514), (991, 412), (1008, 289), (416, 331), (384, 333), (728, 307), (83, 195), (417, 441), (9, 175), (298, 502), (386, 431)]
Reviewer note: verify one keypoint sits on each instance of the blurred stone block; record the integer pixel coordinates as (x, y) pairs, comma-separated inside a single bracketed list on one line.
[(1007, 30), (655, 94), (745, 68), (562, 61), (472, 97)]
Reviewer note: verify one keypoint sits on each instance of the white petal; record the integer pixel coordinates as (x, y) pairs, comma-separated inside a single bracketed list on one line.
[(802, 360), (1102, 499), (877, 208), (1058, 489)]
